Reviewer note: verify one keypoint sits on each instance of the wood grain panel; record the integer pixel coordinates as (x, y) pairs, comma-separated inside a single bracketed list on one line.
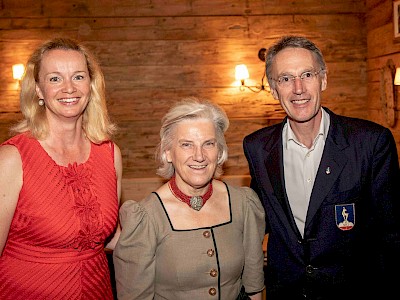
[(378, 13), (381, 47), (381, 41), (145, 8), (154, 53), (185, 27)]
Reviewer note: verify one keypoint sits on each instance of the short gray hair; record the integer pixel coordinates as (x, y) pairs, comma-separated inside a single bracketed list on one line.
[(291, 41), (191, 108)]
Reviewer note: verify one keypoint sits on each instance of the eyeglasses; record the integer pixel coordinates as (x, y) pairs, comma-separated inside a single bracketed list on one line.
[(288, 80)]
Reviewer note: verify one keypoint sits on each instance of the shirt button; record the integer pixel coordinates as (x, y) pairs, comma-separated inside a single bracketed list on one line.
[(210, 252), (213, 273), (206, 234), (212, 291)]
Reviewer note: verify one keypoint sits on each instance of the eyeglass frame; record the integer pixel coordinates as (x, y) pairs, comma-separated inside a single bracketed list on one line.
[(292, 78)]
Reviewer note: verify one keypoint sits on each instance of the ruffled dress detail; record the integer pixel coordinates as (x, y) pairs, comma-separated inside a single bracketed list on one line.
[(87, 207)]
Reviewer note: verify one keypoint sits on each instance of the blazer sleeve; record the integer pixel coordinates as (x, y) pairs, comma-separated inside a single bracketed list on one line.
[(385, 193)]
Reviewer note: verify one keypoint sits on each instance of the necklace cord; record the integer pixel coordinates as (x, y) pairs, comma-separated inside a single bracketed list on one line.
[(195, 202)]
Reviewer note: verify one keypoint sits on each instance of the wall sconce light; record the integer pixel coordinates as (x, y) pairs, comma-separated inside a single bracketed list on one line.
[(18, 71), (390, 78), (397, 77), (241, 74)]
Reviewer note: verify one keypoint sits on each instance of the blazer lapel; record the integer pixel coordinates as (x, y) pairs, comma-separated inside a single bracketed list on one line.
[(274, 166), (331, 165)]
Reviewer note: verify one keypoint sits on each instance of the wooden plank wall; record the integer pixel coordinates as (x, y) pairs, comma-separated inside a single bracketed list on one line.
[(381, 46), (156, 52)]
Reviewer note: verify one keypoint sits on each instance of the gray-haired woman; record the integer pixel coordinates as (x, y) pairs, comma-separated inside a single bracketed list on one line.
[(195, 237)]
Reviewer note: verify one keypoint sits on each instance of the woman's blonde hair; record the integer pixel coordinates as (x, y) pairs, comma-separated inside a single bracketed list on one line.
[(96, 122), (191, 108)]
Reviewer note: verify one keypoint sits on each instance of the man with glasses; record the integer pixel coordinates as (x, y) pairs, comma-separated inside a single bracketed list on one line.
[(330, 189)]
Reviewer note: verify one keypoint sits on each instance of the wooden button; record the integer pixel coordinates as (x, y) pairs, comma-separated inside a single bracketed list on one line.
[(212, 291)]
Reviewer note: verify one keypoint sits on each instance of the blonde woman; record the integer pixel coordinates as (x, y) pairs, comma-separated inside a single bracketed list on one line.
[(60, 181)]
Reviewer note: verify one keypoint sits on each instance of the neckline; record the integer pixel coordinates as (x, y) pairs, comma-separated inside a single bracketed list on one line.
[(204, 227), (71, 163)]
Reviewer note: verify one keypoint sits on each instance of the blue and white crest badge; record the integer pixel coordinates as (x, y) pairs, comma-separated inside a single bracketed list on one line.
[(345, 216)]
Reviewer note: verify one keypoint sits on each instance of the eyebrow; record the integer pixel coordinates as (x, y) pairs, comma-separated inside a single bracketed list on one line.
[(306, 70)]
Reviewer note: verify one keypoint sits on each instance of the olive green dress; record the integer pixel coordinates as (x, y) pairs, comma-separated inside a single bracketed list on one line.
[(153, 260)]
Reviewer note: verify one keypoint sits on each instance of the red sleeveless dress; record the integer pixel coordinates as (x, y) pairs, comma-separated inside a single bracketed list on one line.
[(55, 247)]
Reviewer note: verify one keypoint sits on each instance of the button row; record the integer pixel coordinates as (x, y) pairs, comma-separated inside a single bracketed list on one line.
[(213, 272)]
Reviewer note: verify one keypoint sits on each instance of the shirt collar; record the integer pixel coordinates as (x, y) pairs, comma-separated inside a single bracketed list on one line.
[(288, 133)]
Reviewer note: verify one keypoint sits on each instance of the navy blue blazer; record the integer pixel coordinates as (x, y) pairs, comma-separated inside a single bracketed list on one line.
[(351, 238)]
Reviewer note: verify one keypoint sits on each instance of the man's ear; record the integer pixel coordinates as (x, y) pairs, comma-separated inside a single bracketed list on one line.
[(324, 82), (274, 94)]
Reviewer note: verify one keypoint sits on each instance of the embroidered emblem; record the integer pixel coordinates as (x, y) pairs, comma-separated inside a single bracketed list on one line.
[(345, 216)]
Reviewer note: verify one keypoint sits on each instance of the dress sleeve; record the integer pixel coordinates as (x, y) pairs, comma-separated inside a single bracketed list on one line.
[(253, 236), (134, 254)]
